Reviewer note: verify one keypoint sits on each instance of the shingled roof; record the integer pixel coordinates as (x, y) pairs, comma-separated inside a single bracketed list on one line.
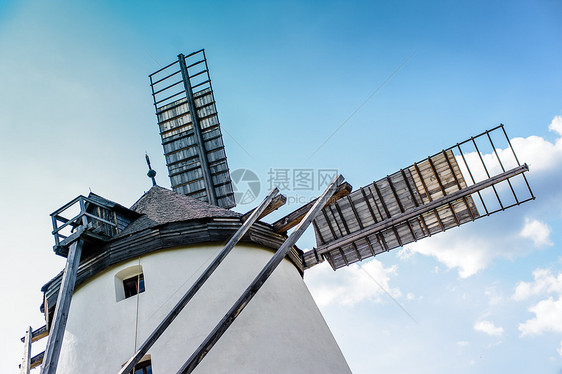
[(159, 206)]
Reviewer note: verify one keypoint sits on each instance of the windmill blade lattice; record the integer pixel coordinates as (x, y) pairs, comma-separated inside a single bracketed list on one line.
[(445, 190), (190, 130)]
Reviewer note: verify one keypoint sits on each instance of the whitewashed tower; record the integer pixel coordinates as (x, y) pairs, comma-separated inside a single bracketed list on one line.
[(163, 251)]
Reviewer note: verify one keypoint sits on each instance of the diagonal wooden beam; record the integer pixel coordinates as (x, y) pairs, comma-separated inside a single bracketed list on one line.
[(292, 219), (277, 202), (60, 318), (129, 366), (38, 334), (25, 366), (256, 284)]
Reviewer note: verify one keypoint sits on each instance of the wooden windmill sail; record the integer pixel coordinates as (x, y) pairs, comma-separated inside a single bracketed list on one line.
[(102, 240), (190, 130), (423, 199)]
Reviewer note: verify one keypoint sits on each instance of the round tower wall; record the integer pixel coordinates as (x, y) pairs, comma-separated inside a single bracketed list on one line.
[(280, 331)]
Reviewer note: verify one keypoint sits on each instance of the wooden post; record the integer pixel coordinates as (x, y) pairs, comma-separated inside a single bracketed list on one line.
[(66, 289), (129, 366), (277, 202), (250, 292), (26, 361)]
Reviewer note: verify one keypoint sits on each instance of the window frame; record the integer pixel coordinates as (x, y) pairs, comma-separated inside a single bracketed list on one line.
[(134, 285), (127, 281), (144, 366)]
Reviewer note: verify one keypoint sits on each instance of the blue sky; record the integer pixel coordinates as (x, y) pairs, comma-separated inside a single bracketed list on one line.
[(76, 113)]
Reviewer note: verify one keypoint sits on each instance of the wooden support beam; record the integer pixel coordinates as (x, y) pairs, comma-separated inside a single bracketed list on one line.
[(37, 360), (292, 219), (277, 202), (68, 281), (26, 360), (46, 310), (256, 284), (129, 366), (38, 334)]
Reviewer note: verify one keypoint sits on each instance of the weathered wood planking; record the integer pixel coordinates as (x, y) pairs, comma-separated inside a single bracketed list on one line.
[(277, 202), (38, 334), (37, 360), (403, 191)]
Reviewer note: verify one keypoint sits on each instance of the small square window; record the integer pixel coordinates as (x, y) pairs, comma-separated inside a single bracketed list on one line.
[(144, 367), (133, 285)]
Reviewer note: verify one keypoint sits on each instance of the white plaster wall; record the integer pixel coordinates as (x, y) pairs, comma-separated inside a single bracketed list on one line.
[(280, 331)]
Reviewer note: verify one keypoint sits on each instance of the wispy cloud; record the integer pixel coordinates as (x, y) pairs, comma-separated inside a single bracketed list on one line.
[(556, 125), (456, 250), (489, 328), (494, 295), (545, 282), (351, 285)]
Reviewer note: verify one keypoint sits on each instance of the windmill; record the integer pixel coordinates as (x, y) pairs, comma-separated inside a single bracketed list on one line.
[(178, 276)]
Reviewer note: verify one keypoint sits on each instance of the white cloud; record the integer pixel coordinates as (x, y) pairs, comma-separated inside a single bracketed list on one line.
[(405, 253), (494, 295), (548, 312), (351, 285), (537, 231), (548, 317), (489, 328), (456, 249), (556, 125), (544, 282), (537, 152), (559, 350)]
